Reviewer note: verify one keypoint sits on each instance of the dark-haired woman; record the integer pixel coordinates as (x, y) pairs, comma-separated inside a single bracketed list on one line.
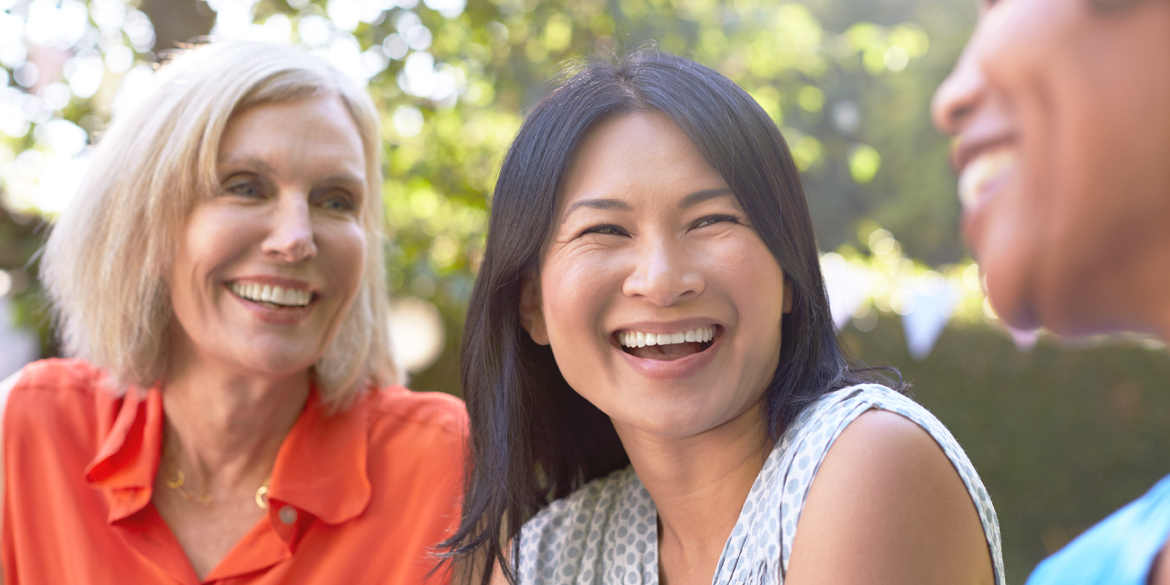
[(649, 345)]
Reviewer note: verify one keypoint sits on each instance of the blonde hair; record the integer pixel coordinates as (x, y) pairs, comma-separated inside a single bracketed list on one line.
[(105, 260)]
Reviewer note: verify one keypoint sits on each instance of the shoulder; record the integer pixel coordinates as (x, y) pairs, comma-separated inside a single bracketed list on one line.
[(422, 435), (56, 374), (1120, 549), (48, 389), (888, 470), (857, 399), (405, 409), (890, 416)]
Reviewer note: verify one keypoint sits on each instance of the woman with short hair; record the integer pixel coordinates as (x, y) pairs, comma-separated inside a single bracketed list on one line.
[(230, 411), (649, 347), (1060, 112)]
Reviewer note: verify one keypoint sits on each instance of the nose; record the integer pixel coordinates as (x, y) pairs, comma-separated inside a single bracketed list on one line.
[(664, 275), (290, 233), (960, 94)]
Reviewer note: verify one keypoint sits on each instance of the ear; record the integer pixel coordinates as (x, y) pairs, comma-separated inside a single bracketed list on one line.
[(531, 312), (787, 295)]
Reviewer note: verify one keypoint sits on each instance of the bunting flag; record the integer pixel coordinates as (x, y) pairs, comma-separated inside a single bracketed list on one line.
[(926, 298), (847, 286), (933, 305)]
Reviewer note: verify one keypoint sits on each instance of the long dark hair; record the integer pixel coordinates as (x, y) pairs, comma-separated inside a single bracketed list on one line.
[(534, 438)]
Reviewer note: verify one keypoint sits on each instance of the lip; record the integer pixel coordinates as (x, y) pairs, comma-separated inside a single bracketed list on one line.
[(268, 313), (672, 369), (977, 140)]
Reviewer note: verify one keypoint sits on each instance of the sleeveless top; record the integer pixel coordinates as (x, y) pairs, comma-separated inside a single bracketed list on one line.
[(606, 532), (1118, 551)]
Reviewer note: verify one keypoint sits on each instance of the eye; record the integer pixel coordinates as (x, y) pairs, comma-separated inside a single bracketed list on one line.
[(713, 219), (338, 200), (605, 230), (243, 187)]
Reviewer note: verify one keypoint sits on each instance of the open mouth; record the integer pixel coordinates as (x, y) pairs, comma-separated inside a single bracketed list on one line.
[(274, 297), (984, 174), (667, 346)]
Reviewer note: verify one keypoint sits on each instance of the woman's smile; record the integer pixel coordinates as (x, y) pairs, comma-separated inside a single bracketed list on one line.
[(666, 356), (275, 300)]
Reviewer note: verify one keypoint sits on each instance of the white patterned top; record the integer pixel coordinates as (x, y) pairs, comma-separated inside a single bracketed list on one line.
[(606, 533)]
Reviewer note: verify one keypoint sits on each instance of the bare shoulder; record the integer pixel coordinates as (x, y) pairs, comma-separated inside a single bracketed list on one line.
[(887, 506)]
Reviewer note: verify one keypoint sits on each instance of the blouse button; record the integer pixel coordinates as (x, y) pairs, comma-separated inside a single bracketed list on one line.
[(287, 514)]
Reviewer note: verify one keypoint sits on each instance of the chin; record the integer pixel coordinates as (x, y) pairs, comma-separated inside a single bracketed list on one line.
[(1019, 313), (277, 363), (1007, 260), (663, 421), (671, 421)]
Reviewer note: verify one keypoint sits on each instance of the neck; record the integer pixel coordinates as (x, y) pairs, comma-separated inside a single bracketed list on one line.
[(699, 483), (1125, 289), (223, 427)]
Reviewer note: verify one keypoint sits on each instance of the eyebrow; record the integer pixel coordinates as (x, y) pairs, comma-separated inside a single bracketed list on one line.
[(690, 200), (251, 163), (343, 179), (258, 165), (700, 196)]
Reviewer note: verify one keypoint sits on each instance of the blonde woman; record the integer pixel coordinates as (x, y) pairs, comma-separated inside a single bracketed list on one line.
[(230, 412)]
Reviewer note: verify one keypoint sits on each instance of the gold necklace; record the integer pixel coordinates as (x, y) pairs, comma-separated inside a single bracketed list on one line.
[(179, 479)]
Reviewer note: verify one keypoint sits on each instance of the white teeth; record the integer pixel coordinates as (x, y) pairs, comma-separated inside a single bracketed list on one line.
[(640, 339), (263, 293), (983, 170)]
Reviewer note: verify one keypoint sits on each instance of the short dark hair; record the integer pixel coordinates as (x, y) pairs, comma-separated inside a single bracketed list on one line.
[(533, 437)]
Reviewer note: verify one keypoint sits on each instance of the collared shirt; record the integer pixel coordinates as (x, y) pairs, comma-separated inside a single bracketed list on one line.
[(356, 497)]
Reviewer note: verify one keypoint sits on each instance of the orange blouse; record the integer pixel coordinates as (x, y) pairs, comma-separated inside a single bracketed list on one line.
[(357, 497)]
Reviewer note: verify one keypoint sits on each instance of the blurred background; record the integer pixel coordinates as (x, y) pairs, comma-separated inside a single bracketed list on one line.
[(1061, 432)]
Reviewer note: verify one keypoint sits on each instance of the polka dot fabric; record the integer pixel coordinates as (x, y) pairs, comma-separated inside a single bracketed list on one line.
[(606, 532)]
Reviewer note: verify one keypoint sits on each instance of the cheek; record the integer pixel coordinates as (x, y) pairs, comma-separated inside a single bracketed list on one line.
[(754, 281), (345, 248), (209, 242), (573, 294)]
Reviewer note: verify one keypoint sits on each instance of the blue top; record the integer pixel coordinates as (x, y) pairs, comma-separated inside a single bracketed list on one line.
[(1120, 550)]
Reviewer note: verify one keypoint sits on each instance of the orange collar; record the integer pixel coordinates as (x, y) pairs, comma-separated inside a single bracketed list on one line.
[(320, 468)]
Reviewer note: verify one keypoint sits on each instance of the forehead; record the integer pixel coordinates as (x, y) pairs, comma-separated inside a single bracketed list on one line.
[(642, 153), (315, 128)]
